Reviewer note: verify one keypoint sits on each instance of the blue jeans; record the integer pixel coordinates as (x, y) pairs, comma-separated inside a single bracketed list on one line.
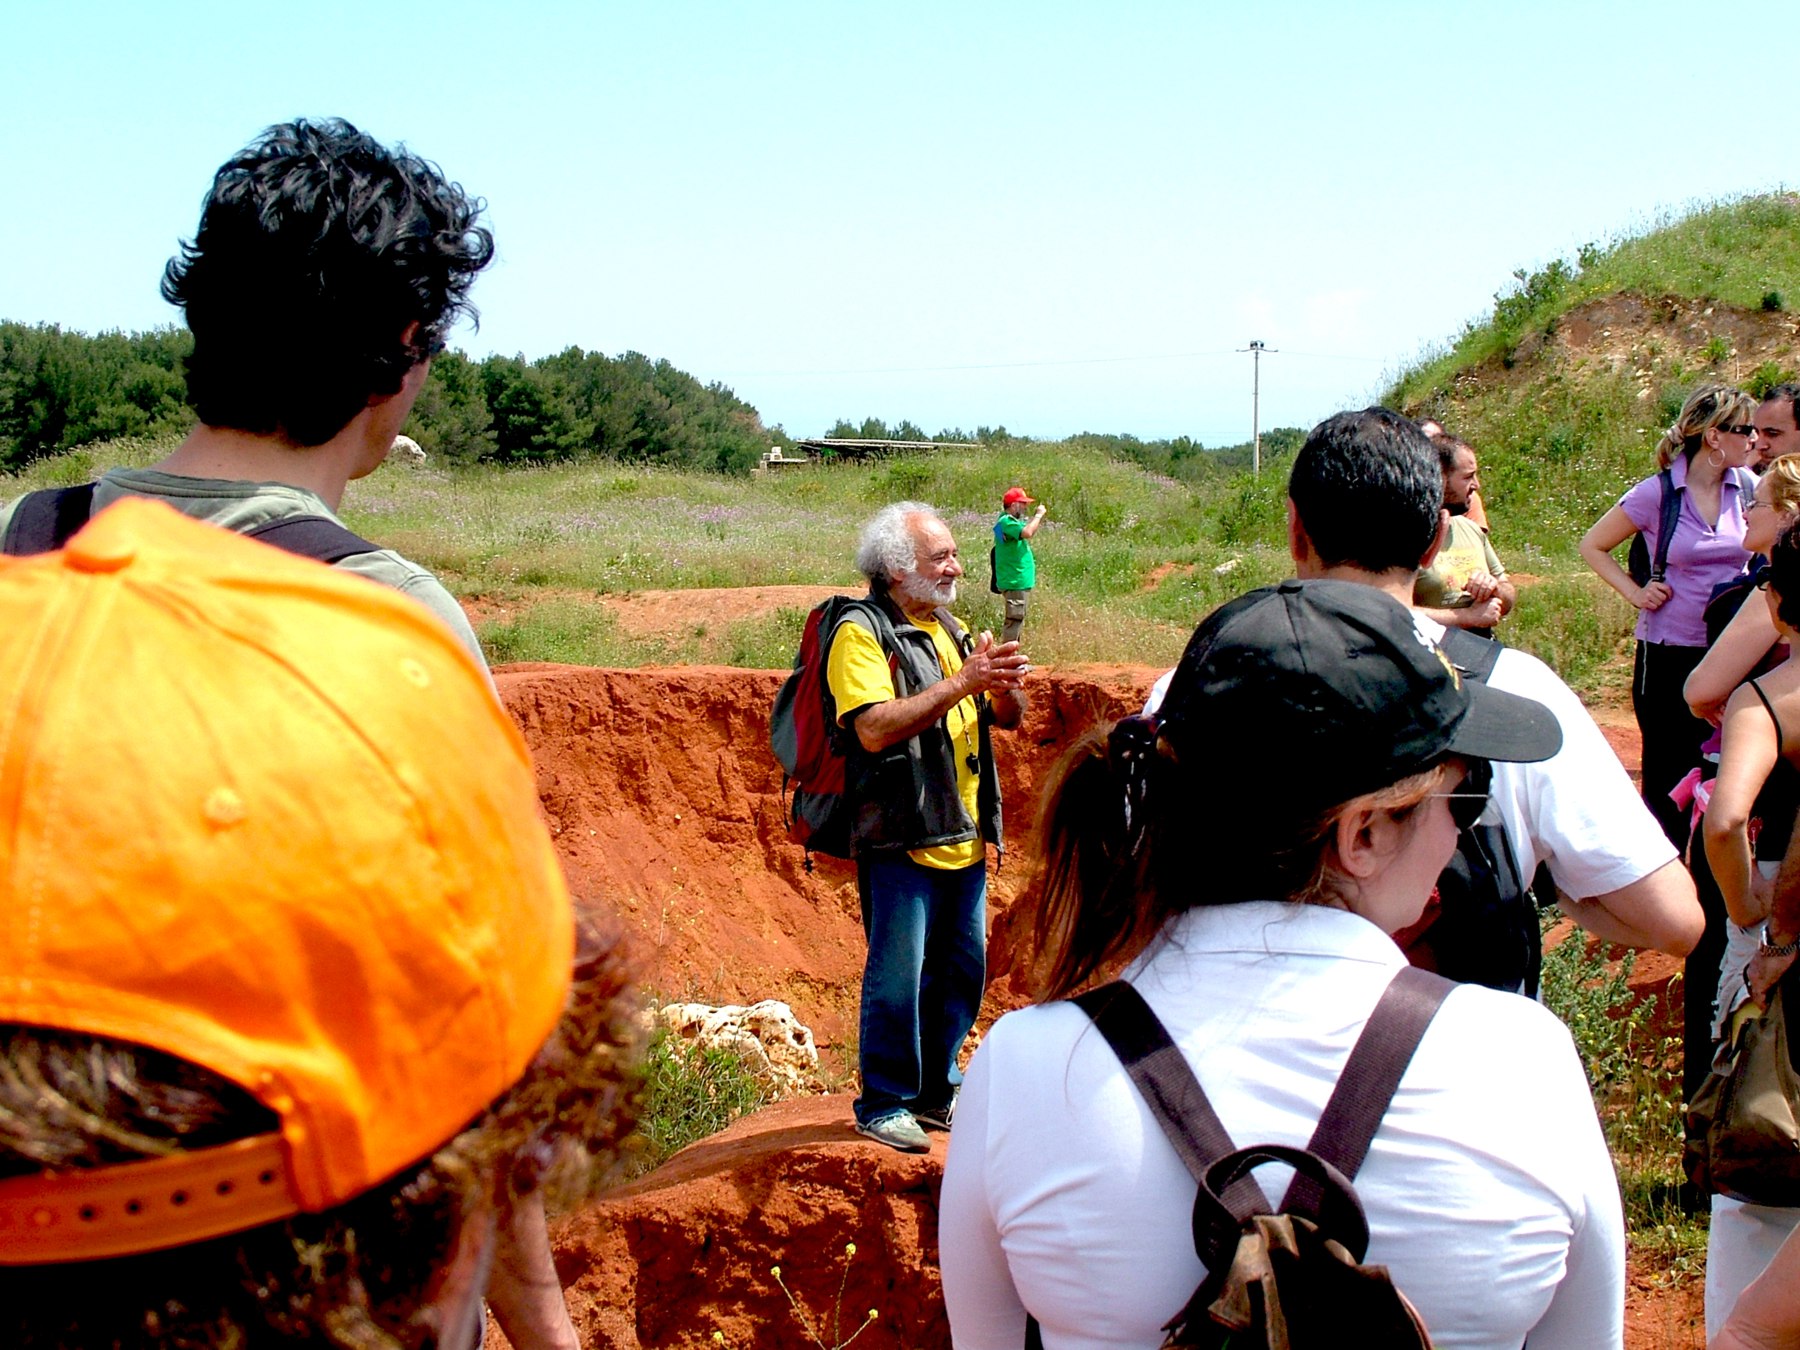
[(927, 932)]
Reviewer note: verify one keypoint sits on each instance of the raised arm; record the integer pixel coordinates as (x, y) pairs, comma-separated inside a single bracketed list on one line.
[(997, 668), (1748, 753), (1730, 661)]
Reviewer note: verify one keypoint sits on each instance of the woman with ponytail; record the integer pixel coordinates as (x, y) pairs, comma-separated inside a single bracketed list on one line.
[(1247, 852), (1703, 454)]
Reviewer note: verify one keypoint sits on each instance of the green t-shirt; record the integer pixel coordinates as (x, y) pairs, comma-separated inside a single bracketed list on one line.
[(242, 506), (1014, 567)]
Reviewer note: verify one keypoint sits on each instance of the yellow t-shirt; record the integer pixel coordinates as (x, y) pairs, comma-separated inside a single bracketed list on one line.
[(1466, 551), (857, 671)]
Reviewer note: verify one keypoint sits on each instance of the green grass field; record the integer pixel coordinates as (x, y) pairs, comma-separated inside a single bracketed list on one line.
[(1129, 561)]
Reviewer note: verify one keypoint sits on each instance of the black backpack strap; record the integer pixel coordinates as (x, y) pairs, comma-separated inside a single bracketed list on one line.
[(314, 537), (965, 643), (1669, 514), (45, 520), (1371, 1075), (1168, 1086), (1473, 656)]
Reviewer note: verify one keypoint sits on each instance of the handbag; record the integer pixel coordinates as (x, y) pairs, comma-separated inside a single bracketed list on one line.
[(1743, 1125)]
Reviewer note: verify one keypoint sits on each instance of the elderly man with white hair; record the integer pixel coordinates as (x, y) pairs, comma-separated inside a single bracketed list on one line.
[(920, 694)]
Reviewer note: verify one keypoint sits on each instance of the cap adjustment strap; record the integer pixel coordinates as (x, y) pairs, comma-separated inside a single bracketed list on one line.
[(84, 1214)]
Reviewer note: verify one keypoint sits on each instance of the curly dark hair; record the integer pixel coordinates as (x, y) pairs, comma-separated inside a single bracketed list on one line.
[(318, 247), (350, 1278)]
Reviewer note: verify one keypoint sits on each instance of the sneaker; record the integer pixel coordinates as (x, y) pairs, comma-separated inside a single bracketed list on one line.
[(898, 1130), (936, 1117)]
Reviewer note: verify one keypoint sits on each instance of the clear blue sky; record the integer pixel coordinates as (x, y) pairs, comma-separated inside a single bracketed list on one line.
[(1055, 216)]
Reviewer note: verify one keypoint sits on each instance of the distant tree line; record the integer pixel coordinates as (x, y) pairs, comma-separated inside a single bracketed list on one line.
[(1187, 460), (874, 429), (584, 405), (60, 390)]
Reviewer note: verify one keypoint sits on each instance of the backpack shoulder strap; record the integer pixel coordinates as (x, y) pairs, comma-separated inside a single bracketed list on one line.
[(313, 537), (1473, 656), (1371, 1075), (1162, 1077), (958, 634), (45, 520), (1669, 514)]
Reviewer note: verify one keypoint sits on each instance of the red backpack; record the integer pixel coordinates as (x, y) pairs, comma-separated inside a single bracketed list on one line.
[(807, 741)]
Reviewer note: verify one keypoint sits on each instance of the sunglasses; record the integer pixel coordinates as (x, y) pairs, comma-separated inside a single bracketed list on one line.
[(1465, 807), (1739, 430)]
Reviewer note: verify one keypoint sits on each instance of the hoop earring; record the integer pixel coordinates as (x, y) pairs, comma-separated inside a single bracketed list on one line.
[(1716, 458)]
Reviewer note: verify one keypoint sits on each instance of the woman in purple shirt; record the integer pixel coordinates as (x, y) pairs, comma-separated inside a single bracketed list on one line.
[(1704, 452)]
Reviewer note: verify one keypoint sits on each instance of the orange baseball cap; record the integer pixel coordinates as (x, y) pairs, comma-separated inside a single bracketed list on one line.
[(269, 818)]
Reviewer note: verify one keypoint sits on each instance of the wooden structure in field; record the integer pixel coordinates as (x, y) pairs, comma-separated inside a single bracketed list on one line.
[(830, 449)]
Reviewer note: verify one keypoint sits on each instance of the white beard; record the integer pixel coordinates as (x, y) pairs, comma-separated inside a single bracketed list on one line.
[(916, 588)]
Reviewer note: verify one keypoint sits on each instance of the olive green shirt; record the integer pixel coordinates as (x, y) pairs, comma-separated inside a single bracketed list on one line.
[(242, 506)]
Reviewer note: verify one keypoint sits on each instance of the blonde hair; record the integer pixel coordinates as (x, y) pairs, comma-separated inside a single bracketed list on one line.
[(1783, 477), (1709, 406)]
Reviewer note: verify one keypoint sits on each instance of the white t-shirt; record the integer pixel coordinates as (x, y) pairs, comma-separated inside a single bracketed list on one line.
[(1577, 810), (1488, 1188)]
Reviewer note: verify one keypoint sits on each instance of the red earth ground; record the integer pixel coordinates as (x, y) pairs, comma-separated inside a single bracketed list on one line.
[(665, 803)]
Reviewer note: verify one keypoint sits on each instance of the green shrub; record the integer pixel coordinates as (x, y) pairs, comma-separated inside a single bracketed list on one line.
[(1765, 377), (691, 1092), (1634, 1075)]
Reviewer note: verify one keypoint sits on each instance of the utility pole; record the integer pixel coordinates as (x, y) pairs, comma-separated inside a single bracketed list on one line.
[(1256, 350)]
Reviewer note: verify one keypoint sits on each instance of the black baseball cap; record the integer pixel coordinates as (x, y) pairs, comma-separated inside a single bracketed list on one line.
[(1324, 690)]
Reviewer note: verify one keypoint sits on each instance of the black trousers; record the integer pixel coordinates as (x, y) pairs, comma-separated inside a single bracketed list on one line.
[(1672, 734), (1700, 975)]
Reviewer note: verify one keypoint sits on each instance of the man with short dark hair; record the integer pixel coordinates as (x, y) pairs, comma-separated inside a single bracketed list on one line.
[(918, 694), (326, 273), (1364, 499), (1776, 431), (1477, 512), (1465, 586)]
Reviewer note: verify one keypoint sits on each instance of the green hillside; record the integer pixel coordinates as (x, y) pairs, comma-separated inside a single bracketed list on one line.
[(1566, 386)]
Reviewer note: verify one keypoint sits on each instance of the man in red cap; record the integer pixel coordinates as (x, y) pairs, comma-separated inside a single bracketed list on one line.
[(1015, 570)]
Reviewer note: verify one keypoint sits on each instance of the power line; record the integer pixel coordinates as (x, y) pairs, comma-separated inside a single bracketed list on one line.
[(1032, 365), (990, 365)]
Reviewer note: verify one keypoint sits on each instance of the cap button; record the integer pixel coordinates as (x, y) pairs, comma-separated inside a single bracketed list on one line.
[(99, 551)]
